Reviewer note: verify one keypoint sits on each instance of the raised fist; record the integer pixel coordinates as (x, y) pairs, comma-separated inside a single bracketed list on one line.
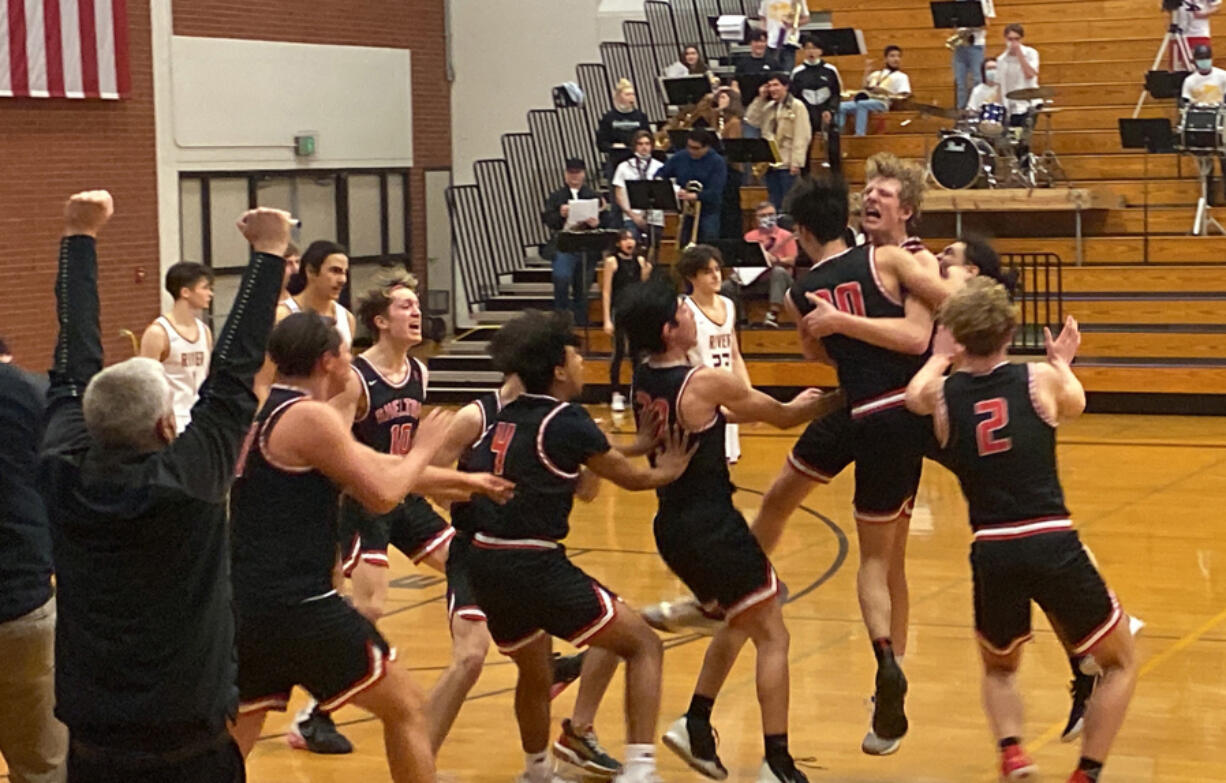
[(87, 212), (266, 229)]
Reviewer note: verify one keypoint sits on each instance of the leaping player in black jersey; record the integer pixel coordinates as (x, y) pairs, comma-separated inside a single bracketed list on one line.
[(293, 627), (997, 422), (700, 534), (521, 577)]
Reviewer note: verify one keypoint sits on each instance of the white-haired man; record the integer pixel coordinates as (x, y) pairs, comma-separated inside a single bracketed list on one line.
[(145, 669)]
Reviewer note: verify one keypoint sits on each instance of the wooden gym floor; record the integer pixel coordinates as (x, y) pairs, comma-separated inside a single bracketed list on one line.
[(1147, 494)]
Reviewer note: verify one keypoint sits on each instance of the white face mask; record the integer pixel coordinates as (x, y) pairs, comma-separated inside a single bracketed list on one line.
[(643, 155), (990, 74), (1205, 66), (767, 222)]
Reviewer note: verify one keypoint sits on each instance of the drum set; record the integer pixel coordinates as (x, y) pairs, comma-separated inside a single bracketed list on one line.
[(983, 150), (1202, 133)]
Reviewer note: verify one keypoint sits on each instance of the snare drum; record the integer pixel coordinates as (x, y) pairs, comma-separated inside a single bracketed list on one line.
[(1202, 128), (992, 119), (962, 161)]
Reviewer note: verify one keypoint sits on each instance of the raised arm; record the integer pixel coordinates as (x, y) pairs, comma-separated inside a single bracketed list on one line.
[(78, 347), (917, 277), (204, 456), (1067, 392)]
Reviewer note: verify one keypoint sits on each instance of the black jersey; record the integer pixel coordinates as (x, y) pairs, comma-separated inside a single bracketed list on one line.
[(539, 443), (393, 410), (706, 477), (1002, 449), (283, 520), (463, 515), (849, 282)]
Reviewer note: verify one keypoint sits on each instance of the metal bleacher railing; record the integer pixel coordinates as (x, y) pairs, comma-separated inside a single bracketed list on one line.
[(1039, 296)]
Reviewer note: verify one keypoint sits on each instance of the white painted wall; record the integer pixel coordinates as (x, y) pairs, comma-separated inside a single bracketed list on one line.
[(507, 57)]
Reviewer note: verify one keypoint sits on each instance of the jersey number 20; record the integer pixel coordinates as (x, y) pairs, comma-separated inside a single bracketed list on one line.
[(500, 444), (848, 297), (997, 410)]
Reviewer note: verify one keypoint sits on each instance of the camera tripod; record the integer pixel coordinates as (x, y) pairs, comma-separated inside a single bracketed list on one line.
[(1175, 37)]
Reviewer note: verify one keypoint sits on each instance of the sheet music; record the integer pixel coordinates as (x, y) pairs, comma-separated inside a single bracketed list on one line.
[(581, 211), (748, 274)]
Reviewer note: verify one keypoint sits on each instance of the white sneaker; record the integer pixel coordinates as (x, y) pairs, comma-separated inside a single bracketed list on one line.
[(682, 615), (619, 403), (677, 739), (767, 775)]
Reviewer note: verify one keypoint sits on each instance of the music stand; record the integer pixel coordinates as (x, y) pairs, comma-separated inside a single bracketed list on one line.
[(738, 252), (1165, 84), (840, 42), (648, 194), (596, 240), (751, 151), (685, 90), (1151, 134), (953, 14)]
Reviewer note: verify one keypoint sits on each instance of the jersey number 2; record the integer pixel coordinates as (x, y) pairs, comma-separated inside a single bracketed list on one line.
[(997, 410), (501, 444), (848, 297)]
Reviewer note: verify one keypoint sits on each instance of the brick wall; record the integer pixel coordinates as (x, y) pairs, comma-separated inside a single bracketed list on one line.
[(52, 148), (410, 24)]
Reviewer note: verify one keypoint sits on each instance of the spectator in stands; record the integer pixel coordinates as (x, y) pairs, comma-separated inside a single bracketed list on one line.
[(784, 119), (700, 173), (756, 62), (817, 83), (780, 248), (730, 124), (615, 133), (573, 273), (780, 17), (1206, 84), (646, 225), (987, 91), (1017, 69), (621, 268), (968, 55), (882, 88), (1193, 18), (690, 64), (33, 743)]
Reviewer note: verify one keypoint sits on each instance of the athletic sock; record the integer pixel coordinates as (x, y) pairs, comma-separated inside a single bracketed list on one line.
[(1008, 742), (643, 755), (883, 650), (1091, 767), (777, 750), (536, 767), (700, 708)]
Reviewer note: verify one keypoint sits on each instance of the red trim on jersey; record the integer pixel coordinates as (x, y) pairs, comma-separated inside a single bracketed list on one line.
[(807, 470), (277, 702), (877, 518), (872, 265), (436, 541), (493, 542), (1101, 632), (519, 644), (1013, 645), (677, 404), (769, 590), (1023, 528), (585, 634), (896, 398)]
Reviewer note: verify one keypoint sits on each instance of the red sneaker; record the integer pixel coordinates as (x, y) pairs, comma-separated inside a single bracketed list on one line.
[(1079, 776), (1016, 765)]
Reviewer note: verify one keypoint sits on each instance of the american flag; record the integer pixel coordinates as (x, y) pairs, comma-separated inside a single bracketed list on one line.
[(64, 49)]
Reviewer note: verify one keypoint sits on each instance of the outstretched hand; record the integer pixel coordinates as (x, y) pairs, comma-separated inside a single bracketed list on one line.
[(266, 229), (1064, 347), (675, 455), (87, 212)]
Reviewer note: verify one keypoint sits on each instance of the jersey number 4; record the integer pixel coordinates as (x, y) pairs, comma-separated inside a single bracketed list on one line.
[(997, 411), (501, 444), (848, 297)]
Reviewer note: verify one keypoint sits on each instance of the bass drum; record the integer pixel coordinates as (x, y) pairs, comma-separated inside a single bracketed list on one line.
[(960, 161)]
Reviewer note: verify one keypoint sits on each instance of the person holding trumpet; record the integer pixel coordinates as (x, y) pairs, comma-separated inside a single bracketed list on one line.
[(881, 89)]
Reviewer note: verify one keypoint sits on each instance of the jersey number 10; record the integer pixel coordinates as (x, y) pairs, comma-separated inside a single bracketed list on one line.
[(997, 410)]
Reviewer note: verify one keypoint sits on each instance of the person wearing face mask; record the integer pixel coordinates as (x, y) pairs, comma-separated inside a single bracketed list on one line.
[(1207, 85), (784, 119), (1018, 69), (883, 87), (817, 83), (646, 225), (780, 249), (615, 133), (987, 91)]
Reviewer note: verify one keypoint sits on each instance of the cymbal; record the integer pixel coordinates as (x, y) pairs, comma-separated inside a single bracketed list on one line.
[(932, 110), (1031, 93)]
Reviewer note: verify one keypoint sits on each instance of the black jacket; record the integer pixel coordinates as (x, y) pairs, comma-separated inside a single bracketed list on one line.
[(144, 644), (619, 127), (819, 87), (551, 216), (25, 541)]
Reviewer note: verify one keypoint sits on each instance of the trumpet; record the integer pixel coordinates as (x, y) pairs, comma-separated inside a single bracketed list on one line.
[(693, 210), (963, 37)]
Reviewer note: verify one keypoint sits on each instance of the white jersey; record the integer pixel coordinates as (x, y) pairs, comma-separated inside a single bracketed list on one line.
[(186, 365), (714, 349), (342, 317)]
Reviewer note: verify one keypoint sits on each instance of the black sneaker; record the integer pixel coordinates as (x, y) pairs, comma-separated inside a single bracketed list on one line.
[(317, 733), (694, 742), (584, 751), (1082, 687), (566, 669), (889, 719), (775, 773)]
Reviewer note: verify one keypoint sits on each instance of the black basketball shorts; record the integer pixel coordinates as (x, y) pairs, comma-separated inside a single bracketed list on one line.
[(461, 600), (529, 588), (710, 547), (1012, 566), (887, 446), (323, 645), (413, 527)]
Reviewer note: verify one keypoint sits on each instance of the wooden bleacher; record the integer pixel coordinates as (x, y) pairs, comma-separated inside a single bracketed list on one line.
[(1152, 300)]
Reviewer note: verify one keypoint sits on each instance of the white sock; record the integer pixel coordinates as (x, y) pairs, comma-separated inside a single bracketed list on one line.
[(536, 766), (644, 755), (898, 660)]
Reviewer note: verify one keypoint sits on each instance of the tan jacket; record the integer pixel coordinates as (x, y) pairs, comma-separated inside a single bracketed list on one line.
[(787, 123)]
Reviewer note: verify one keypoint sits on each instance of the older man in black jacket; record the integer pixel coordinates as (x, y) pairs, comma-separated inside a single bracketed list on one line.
[(145, 654), (573, 273)]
